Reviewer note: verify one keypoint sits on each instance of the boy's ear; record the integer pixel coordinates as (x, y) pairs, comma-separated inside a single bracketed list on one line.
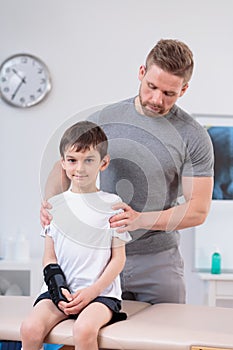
[(105, 162)]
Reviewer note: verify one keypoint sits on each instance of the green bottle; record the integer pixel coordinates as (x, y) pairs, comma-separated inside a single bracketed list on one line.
[(216, 262)]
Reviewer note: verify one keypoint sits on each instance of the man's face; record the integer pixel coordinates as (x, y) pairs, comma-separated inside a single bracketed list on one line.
[(159, 90)]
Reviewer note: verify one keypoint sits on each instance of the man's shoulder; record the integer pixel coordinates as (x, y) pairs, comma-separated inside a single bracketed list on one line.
[(125, 102), (109, 112), (185, 121)]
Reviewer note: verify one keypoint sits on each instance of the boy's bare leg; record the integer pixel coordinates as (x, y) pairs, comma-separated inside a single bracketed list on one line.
[(88, 324), (43, 317)]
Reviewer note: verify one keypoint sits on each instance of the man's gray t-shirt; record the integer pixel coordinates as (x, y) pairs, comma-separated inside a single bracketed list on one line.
[(149, 156)]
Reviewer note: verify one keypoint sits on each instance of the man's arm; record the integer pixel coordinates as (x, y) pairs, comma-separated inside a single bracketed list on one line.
[(57, 182), (197, 192)]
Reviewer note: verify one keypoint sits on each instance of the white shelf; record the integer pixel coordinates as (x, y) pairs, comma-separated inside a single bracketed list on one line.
[(27, 274), (220, 287), (216, 277)]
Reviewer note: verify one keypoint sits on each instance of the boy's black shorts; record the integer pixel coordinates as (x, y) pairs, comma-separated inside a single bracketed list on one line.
[(112, 303)]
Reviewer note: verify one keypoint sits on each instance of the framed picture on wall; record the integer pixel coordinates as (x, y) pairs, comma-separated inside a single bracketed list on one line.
[(220, 129), (217, 230)]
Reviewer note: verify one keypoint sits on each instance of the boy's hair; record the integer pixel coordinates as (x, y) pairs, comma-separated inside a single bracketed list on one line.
[(172, 56), (82, 136)]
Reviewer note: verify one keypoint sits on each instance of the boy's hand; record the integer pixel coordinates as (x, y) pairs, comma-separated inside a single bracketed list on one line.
[(45, 217), (80, 299), (62, 304)]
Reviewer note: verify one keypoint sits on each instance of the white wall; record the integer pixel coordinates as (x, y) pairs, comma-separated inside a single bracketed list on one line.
[(93, 49)]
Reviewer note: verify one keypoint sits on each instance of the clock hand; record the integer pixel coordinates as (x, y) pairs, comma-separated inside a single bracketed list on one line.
[(18, 87), (15, 71)]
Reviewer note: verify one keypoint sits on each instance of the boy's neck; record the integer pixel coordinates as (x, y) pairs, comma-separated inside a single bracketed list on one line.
[(82, 190)]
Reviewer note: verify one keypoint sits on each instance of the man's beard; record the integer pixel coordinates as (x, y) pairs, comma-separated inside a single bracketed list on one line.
[(149, 112)]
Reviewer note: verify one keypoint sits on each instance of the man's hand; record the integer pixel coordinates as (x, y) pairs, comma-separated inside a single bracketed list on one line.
[(128, 220), (45, 217), (80, 300)]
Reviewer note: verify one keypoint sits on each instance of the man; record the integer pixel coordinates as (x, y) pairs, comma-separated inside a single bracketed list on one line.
[(162, 167)]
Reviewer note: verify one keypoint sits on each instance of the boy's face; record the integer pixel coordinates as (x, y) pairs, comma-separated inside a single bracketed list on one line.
[(82, 168)]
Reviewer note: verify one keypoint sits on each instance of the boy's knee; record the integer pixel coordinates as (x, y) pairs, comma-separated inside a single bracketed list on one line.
[(26, 330), (84, 333), (29, 330)]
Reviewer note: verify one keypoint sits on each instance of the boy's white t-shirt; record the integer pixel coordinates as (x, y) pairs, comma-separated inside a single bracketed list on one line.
[(83, 238)]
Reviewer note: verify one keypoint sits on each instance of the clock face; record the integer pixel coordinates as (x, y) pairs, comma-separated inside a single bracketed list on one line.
[(24, 80)]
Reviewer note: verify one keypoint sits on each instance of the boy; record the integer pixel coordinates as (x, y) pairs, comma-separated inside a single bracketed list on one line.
[(83, 256)]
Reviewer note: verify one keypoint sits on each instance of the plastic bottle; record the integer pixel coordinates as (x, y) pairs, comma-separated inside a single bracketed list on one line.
[(22, 252), (9, 248), (216, 262)]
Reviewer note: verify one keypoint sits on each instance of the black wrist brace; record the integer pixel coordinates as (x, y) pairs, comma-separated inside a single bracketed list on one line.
[(55, 280)]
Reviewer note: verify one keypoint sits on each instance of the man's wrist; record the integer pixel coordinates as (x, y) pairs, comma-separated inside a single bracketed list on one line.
[(148, 220)]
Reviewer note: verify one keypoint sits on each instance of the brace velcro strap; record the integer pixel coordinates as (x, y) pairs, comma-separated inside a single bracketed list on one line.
[(52, 270), (55, 280)]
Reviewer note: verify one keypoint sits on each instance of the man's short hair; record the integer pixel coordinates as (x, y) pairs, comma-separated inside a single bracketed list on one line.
[(172, 56)]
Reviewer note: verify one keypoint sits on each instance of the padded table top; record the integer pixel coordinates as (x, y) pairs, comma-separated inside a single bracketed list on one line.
[(156, 327)]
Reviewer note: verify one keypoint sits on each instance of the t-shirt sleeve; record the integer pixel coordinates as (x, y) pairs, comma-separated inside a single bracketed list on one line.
[(48, 230), (199, 155), (44, 231), (122, 236), (126, 237)]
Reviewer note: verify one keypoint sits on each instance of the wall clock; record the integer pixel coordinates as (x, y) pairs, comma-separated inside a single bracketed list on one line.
[(24, 80)]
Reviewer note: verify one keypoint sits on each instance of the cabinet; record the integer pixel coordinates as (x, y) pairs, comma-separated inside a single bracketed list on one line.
[(220, 287), (25, 274)]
